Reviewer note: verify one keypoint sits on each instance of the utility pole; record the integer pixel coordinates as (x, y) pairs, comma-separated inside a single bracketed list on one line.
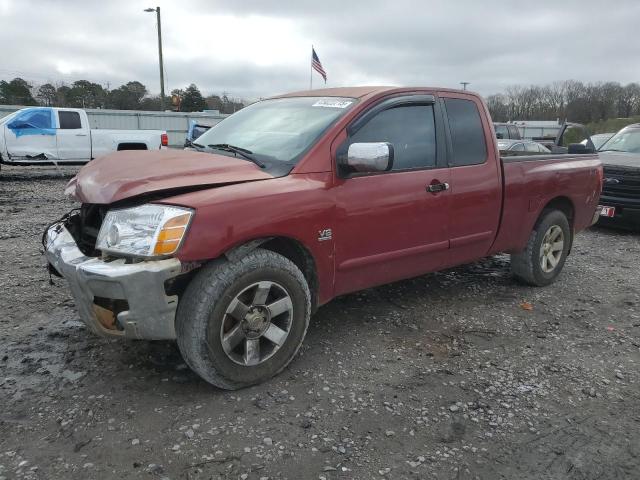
[(157, 10), (464, 85)]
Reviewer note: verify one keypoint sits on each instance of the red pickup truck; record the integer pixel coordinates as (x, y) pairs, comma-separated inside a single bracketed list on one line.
[(292, 201)]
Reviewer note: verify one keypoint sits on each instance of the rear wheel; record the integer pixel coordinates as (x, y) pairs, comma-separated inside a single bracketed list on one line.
[(240, 323), (546, 252)]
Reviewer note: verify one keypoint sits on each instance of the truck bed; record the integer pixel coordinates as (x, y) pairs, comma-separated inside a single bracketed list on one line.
[(525, 176)]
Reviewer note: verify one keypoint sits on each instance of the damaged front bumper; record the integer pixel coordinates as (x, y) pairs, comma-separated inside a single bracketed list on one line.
[(115, 298)]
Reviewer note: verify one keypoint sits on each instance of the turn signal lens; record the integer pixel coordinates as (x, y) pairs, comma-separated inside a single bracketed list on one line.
[(171, 234)]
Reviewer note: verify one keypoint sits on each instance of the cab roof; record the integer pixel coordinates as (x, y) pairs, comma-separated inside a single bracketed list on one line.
[(361, 92)]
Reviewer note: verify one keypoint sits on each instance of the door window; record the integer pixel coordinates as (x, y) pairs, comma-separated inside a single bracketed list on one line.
[(69, 120), (518, 147), (411, 131), (532, 147), (467, 132), (502, 131), (33, 118)]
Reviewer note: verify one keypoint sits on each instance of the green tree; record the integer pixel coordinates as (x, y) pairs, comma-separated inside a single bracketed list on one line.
[(192, 100), (47, 95), (86, 94), (62, 92), (223, 104), (150, 103), (128, 96), (16, 92), (214, 102)]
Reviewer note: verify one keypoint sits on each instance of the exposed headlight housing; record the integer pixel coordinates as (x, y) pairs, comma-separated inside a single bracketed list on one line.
[(146, 231)]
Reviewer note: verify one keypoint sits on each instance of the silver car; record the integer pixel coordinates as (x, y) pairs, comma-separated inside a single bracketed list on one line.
[(522, 147)]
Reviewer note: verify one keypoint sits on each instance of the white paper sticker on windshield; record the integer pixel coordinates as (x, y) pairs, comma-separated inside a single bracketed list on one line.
[(332, 103)]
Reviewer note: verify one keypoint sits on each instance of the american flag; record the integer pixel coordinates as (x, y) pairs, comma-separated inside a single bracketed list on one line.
[(317, 66)]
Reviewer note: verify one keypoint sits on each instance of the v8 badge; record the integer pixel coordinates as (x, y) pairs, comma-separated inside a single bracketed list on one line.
[(326, 234)]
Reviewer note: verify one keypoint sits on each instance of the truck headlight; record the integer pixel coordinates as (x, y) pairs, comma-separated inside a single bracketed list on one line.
[(146, 231)]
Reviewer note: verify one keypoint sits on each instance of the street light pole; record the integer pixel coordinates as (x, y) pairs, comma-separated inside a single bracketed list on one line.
[(464, 85), (157, 10)]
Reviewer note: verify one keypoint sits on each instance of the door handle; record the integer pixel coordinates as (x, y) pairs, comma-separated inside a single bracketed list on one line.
[(437, 187), (81, 134)]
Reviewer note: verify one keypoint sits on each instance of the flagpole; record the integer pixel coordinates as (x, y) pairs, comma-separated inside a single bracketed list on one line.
[(311, 70)]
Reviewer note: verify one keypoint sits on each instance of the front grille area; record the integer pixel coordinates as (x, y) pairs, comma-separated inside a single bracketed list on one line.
[(622, 184), (85, 226)]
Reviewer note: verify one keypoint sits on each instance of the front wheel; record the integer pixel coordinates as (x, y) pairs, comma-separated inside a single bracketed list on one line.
[(546, 252), (240, 323)]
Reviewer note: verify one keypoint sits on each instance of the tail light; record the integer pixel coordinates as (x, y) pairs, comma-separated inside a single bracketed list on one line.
[(164, 140)]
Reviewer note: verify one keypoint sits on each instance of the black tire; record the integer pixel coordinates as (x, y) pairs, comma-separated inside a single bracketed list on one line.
[(527, 265), (202, 311)]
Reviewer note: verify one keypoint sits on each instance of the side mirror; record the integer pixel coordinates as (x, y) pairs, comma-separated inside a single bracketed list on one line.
[(17, 125), (579, 148), (370, 157)]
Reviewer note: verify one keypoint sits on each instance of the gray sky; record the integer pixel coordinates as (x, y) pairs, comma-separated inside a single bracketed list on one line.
[(254, 48)]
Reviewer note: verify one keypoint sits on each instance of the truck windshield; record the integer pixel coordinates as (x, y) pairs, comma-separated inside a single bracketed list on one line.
[(8, 118), (281, 129), (627, 140)]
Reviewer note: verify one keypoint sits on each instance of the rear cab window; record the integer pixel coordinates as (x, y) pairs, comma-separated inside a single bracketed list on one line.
[(467, 132), (69, 120)]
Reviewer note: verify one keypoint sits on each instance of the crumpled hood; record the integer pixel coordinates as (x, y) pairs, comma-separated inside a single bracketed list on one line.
[(131, 173), (620, 159)]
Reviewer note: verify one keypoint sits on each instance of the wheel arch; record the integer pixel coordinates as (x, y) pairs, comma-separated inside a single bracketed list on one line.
[(289, 248), (132, 146), (566, 206), (562, 203)]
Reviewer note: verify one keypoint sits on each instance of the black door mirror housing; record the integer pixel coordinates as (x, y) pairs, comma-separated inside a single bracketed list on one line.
[(579, 148)]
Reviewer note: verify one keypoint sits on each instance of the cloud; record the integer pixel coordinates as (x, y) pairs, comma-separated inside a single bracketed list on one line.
[(256, 48)]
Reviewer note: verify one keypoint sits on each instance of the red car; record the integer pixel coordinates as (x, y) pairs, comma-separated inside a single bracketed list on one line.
[(297, 199)]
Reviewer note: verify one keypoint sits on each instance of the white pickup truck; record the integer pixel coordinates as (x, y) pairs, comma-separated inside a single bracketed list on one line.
[(46, 135)]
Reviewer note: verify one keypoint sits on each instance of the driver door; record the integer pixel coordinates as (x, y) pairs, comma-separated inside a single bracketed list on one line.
[(31, 136), (393, 225)]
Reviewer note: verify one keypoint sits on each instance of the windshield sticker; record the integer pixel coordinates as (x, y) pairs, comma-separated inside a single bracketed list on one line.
[(332, 103)]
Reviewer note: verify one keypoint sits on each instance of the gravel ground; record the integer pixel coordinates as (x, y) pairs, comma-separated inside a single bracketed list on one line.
[(462, 374)]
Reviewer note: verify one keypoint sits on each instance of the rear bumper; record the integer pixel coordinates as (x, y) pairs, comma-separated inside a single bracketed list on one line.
[(148, 312)]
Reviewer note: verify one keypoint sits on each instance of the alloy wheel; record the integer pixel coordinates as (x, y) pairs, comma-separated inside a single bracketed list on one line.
[(551, 248), (257, 323)]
